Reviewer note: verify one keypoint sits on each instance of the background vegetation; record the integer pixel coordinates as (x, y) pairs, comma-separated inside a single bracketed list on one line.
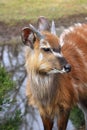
[(12, 11), (16, 10), (12, 123), (7, 85), (77, 117)]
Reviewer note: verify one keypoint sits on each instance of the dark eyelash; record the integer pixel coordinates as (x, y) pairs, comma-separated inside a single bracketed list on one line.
[(47, 49)]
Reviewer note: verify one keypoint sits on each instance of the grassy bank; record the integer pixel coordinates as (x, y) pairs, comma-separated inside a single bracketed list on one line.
[(30, 9)]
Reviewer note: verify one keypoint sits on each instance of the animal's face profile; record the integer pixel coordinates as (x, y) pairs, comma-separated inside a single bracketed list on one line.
[(45, 54), (48, 88)]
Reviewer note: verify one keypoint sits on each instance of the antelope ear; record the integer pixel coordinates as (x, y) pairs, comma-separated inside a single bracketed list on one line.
[(28, 37), (43, 24)]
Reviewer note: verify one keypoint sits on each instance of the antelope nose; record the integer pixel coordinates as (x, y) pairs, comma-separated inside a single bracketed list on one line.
[(67, 68)]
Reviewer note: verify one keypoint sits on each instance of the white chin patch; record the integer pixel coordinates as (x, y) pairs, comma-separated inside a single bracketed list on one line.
[(57, 71)]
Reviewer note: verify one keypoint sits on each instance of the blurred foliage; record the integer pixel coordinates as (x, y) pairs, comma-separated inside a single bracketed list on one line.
[(77, 117), (30, 9), (12, 123), (6, 84)]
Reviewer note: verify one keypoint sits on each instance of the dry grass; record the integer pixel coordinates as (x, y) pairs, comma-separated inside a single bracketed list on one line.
[(16, 10)]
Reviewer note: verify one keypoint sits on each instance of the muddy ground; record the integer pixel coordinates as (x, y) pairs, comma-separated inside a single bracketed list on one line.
[(8, 31)]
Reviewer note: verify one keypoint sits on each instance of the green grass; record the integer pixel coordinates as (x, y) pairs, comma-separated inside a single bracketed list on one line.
[(12, 123), (77, 117), (6, 84), (16, 10)]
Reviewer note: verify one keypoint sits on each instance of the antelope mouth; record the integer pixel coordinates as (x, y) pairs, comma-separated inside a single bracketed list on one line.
[(54, 71), (65, 69)]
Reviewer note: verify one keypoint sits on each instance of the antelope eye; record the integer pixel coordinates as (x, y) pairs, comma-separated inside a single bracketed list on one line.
[(57, 49), (47, 49)]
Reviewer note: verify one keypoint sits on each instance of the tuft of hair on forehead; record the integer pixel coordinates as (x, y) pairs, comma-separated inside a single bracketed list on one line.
[(52, 39)]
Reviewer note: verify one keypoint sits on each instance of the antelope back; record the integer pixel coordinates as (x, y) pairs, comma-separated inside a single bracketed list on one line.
[(74, 47)]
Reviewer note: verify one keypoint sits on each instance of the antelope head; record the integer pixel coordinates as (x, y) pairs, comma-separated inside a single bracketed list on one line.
[(44, 54)]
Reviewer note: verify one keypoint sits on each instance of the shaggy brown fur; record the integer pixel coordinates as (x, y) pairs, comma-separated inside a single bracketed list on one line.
[(49, 88)]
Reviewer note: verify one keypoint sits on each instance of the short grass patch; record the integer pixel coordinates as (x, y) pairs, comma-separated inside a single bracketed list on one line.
[(15, 10)]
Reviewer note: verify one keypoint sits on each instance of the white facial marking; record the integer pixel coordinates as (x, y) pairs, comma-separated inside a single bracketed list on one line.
[(40, 57), (44, 44), (57, 54), (57, 71)]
